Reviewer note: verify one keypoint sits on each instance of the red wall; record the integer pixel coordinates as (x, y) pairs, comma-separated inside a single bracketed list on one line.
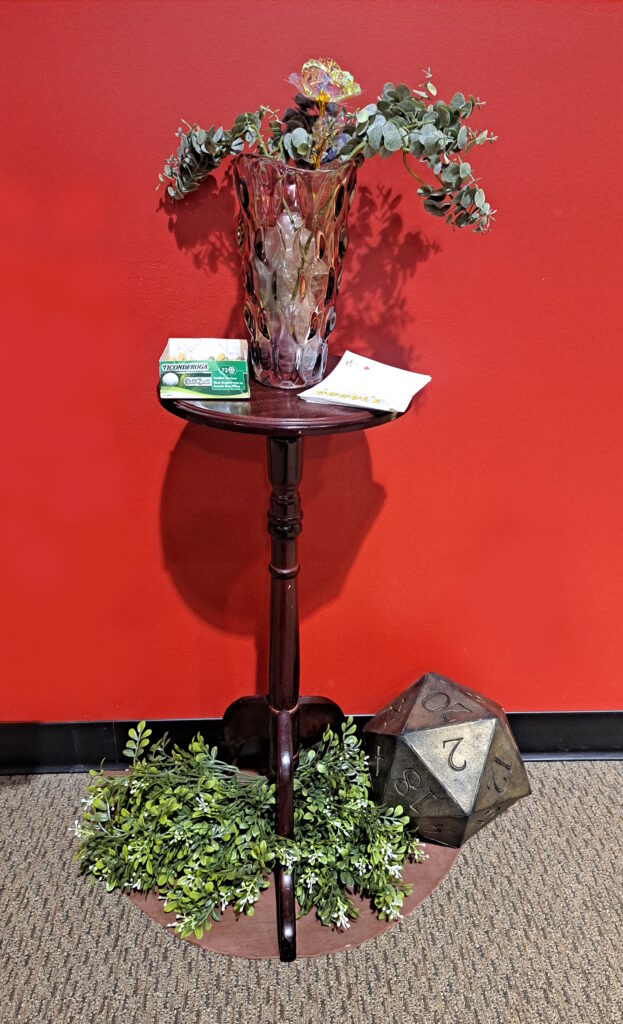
[(479, 537)]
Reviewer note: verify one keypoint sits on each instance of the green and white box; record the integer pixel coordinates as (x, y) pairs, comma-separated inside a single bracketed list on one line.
[(204, 368)]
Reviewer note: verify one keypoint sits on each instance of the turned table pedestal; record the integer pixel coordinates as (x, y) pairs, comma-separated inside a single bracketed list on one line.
[(278, 721)]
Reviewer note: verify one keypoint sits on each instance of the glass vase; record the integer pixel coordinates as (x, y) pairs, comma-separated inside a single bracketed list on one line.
[(292, 235)]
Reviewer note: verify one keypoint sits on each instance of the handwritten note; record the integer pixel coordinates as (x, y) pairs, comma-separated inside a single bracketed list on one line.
[(364, 382)]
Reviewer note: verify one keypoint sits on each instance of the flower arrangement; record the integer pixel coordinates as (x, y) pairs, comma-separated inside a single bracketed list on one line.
[(200, 833), (319, 131)]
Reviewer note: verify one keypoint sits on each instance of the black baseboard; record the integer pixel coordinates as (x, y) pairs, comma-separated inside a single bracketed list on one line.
[(34, 747)]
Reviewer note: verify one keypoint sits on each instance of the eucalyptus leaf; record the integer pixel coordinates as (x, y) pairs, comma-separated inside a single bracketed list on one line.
[(443, 115), (375, 135), (392, 140), (299, 138), (450, 174)]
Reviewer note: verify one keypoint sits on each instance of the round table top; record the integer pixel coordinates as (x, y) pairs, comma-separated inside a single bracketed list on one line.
[(277, 412)]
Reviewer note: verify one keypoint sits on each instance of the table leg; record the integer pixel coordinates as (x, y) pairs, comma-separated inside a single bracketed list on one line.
[(269, 727), (284, 526), (286, 909), (245, 733)]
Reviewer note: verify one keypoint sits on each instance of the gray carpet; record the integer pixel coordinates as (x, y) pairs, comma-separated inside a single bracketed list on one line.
[(526, 928)]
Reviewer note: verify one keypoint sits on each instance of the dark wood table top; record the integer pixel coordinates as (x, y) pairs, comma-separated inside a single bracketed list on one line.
[(277, 412)]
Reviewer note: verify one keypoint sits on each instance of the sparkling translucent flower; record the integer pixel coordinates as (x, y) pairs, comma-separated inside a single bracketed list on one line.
[(324, 81)]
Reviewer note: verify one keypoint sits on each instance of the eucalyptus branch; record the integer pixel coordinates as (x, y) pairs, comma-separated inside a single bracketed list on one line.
[(318, 131)]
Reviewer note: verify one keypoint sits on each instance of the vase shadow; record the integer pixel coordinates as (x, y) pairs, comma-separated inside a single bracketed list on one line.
[(373, 318), (213, 526)]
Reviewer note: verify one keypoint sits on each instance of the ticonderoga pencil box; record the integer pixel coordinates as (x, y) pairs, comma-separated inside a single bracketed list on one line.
[(204, 368)]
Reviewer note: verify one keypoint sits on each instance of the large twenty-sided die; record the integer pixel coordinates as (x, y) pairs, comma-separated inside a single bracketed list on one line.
[(448, 756)]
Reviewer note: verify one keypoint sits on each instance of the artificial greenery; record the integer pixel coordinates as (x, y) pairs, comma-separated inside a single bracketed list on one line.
[(201, 833), (318, 130)]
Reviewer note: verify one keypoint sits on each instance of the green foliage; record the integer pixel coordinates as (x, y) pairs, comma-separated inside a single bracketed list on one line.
[(200, 152), (138, 741), (201, 833), (413, 122), (344, 841)]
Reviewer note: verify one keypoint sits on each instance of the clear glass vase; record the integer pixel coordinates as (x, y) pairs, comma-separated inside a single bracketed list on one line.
[(292, 235)]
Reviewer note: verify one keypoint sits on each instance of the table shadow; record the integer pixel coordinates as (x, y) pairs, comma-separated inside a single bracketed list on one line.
[(213, 525), (215, 493)]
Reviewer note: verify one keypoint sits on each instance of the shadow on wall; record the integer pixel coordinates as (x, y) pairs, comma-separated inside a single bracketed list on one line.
[(213, 525), (382, 259), (215, 493), (203, 225)]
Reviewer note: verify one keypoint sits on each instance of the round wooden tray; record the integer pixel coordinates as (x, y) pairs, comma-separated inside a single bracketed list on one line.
[(256, 937)]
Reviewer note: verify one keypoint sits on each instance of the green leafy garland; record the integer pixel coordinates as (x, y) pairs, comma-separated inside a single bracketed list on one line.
[(201, 833)]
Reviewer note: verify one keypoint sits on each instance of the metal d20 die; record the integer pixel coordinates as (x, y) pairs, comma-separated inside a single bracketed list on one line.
[(446, 753)]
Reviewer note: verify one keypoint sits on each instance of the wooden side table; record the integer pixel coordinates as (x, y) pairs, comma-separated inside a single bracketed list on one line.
[(281, 718)]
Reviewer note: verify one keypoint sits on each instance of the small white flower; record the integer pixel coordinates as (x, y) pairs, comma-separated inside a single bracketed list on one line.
[(341, 921)]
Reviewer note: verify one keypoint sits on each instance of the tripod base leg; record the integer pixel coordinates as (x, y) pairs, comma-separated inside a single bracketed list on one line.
[(245, 731), (285, 723)]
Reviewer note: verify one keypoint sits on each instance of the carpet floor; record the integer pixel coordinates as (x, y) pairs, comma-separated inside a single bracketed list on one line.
[(526, 929)]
